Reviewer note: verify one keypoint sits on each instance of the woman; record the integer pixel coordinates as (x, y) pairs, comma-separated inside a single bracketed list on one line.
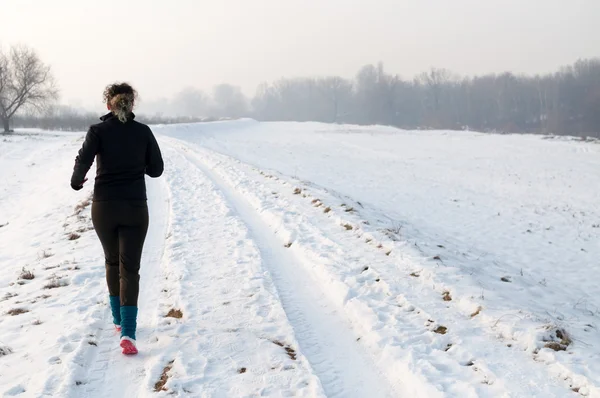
[(124, 150)]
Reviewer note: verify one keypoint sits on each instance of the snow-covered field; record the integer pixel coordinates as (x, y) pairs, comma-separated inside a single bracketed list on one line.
[(312, 260)]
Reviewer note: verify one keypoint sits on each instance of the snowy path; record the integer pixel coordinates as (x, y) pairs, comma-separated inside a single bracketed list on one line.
[(394, 313), (324, 336), (255, 283)]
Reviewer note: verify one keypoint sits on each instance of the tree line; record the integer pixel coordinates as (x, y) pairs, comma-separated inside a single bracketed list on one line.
[(564, 102)]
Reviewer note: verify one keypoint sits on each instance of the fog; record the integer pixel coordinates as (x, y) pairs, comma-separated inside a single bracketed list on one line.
[(165, 47)]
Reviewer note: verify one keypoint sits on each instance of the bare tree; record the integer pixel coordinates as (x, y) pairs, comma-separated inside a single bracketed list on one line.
[(25, 81), (338, 92), (229, 101)]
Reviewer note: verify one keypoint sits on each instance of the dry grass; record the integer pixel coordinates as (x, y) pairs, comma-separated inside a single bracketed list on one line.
[(173, 313), (288, 245), (56, 283), (368, 240), (297, 191), (563, 340), (477, 312), (348, 227), (4, 350), (17, 311), (440, 330), (555, 346), (82, 205), (288, 349), (74, 236), (45, 254), (349, 209), (241, 370), (327, 210), (446, 296), (164, 377), (415, 274), (26, 274)]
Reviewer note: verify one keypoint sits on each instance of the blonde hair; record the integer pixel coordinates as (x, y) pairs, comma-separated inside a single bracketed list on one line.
[(121, 99)]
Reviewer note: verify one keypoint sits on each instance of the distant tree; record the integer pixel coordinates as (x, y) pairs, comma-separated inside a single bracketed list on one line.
[(191, 102), (338, 96), (25, 81), (229, 101)]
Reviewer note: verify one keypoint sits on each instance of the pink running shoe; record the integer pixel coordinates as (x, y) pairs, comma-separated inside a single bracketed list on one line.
[(128, 346), (118, 328)]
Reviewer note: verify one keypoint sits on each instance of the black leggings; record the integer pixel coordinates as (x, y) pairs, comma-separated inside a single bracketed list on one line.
[(121, 226)]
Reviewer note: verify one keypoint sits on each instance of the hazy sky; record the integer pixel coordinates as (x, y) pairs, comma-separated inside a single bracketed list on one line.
[(162, 47)]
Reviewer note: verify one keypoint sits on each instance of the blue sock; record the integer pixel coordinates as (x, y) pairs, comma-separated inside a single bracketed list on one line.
[(115, 307), (128, 321)]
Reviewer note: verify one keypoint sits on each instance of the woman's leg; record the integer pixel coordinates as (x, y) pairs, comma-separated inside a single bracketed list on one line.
[(105, 223), (131, 242)]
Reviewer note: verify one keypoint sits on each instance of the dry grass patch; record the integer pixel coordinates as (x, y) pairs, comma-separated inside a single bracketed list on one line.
[(241, 370), (440, 330), (564, 340), (82, 205), (297, 191), (26, 274), (173, 313), (17, 311), (55, 283), (4, 350), (348, 227), (446, 296), (164, 377), (477, 312), (74, 236), (415, 274), (288, 349), (327, 210), (45, 254)]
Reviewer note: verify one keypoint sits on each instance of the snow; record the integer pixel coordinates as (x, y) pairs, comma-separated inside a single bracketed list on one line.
[(443, 266)]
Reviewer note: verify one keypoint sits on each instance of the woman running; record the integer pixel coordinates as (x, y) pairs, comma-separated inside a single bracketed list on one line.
[(124, 150)]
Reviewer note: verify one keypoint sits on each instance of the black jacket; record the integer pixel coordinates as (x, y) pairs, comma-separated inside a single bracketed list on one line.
[(124, 152)]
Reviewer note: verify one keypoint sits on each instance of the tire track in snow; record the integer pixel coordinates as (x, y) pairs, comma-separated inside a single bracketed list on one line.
[(325, 338)]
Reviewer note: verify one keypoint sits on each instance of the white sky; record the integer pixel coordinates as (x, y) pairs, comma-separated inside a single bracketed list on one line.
[(162, 47)]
